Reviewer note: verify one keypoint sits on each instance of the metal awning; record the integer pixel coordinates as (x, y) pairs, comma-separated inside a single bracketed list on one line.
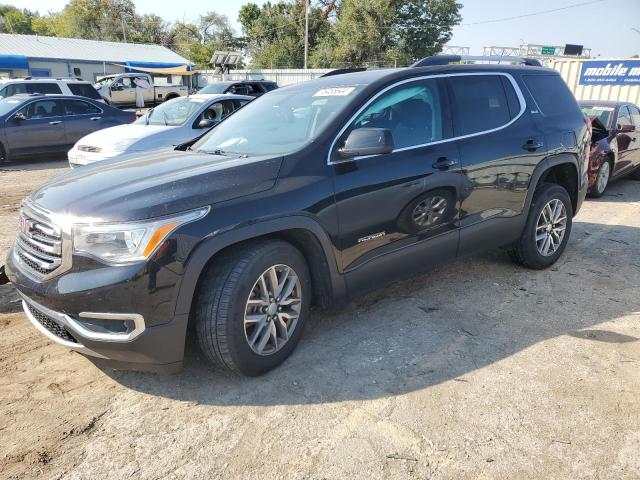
[(159, 68), (14, 61)]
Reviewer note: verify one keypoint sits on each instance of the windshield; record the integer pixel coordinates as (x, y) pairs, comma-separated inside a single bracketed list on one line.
[(603, 114), (172, 113), (214, 88), (8, 104), (278, 123), (104, 81)]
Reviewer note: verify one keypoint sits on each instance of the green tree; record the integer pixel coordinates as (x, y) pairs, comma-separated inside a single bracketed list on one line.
[(14, 20), (275, 32)]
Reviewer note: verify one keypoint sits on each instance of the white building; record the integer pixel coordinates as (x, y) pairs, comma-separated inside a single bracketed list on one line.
[(38, 56)]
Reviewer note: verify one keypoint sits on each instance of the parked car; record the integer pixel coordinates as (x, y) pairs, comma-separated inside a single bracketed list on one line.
[(253, 88), (48, 124), (120, 90), (171, 123), (61, 86), (615, 151), (311, 194)]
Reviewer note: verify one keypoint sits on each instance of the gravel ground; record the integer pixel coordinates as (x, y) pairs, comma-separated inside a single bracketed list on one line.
[(479, 370)]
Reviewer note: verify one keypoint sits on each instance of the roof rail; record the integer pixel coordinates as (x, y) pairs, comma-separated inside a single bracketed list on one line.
[(340, 71), (447, 59)]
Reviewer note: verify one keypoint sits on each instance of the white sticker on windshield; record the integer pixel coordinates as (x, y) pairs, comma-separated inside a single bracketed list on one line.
[(603, 109), (334, 92)]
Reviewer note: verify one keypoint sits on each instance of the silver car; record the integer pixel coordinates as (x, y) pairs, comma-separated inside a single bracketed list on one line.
[(171, 123)]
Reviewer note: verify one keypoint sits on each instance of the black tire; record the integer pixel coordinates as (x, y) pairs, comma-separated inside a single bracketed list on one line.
[(635, 175), (597, 190), (525, 250), (222, 300), (3, 155)]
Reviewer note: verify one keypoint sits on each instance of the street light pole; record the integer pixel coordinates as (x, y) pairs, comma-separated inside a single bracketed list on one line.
[(306, 32)]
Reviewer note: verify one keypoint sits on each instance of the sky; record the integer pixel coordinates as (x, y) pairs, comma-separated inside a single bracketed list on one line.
[(605, 26)]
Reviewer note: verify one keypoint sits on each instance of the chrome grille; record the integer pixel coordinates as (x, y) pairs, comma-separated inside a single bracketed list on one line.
[(38, 243)]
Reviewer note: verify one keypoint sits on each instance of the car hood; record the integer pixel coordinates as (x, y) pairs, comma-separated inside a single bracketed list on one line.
[(106, 138), (162, 182)]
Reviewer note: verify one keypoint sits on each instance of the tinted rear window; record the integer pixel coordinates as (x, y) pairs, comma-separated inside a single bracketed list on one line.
[(479, 103), (84, 90), (551, 94), (43, 88)]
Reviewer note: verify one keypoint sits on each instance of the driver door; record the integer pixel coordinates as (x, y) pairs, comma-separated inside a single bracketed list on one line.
[(398, 212)]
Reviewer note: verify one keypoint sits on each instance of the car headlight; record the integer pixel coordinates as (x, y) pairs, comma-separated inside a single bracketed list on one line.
[(128, 242)]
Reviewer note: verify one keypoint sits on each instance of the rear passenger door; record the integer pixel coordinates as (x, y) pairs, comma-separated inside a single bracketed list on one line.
[(626, 141), (635, 137), (81, 119), (499, 148), (398, 211)]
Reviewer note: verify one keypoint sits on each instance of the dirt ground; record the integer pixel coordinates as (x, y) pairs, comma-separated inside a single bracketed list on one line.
[(481, 370)]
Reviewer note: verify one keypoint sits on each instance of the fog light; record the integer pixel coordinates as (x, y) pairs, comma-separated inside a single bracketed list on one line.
[(99, 325)]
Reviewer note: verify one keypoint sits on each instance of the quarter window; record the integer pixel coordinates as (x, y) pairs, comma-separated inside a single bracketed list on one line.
[(551, 94), (479, 103), (412, 112), (84, 90)]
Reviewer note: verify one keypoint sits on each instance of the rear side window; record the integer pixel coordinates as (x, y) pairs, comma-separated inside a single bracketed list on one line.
[(78, 107), (479, 103), (44, 88), (84, 90), (624, 117), (635, 114), (551, 94)]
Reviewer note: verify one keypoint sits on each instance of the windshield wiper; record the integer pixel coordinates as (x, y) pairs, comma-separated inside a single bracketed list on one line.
[(223, 153), (148, 116)]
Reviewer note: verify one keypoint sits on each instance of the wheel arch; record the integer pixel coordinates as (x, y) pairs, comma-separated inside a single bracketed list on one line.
[(562, 169), (302, 232)]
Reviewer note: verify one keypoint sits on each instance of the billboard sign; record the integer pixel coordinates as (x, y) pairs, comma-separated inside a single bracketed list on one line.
[(612, 72)]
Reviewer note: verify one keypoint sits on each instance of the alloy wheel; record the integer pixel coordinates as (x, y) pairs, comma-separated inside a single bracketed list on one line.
[(603, 177), (429, 211), (273, 309), (551, 227)]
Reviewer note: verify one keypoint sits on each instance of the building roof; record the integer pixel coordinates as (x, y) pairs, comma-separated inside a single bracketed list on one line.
[(37, 46)]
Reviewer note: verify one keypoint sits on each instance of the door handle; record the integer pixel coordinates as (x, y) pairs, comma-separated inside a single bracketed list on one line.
[(444, 163), (93, 119), (532, 145), (56, 122)]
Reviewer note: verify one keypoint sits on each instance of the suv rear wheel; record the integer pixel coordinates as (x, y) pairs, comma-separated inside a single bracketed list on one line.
[(547, 230), (251, 306)]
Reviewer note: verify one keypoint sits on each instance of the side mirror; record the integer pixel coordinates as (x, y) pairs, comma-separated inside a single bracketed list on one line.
[(206, 123), (626, 128), (19, 117), (367, 141)]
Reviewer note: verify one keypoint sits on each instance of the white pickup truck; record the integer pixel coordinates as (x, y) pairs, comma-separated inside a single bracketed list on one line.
[(120, 89)]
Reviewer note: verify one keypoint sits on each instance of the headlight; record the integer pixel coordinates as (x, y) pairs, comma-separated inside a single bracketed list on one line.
[(128, 242)]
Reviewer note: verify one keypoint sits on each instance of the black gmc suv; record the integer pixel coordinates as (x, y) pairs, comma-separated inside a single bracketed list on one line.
[(309, 194)]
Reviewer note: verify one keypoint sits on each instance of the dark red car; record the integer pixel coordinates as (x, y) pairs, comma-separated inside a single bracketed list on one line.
[(615, 151)]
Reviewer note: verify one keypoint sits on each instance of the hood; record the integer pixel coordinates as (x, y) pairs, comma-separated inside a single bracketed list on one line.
[(163, 182), (122, 134)]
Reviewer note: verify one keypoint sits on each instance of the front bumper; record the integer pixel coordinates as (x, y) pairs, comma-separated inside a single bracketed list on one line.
[(65, 309)]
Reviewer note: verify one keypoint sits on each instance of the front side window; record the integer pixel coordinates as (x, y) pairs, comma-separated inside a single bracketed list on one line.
[(479, 103), (412, 112), (218, 111), (43, 109), (635, 116), (279, 123), (624, 117), (78, 107)]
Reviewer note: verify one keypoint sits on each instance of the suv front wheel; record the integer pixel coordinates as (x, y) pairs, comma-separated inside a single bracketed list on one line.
[(251, 306), (547, 230)]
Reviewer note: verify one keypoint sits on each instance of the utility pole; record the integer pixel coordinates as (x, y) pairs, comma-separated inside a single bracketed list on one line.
[(124, 32), (306, 32)]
